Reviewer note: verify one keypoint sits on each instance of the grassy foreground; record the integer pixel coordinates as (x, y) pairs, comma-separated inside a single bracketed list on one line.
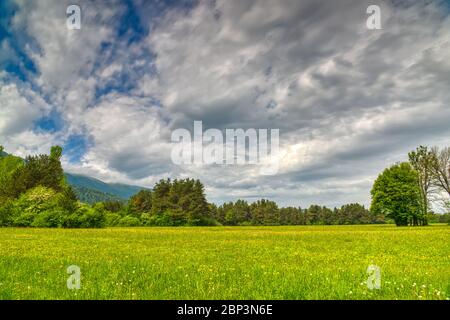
[(304, 262)]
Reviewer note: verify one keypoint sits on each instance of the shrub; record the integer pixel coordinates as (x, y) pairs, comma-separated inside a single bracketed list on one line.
[(176, 217), (112, 219), (90, 217), (37, 200), (209, 222), (71, 221), (38, 207), (129, 221), (48, 219), (156, 220), (31, 205), (6, 209), (23, 220)]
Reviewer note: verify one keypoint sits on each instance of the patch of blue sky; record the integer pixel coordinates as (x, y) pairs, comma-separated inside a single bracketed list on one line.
[(14, 61), (53, 122), (7, 10), (130, 26), (446, 5), (75, 147), (121, 83)]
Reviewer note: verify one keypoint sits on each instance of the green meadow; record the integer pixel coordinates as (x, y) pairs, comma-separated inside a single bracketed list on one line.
[(289, 262)]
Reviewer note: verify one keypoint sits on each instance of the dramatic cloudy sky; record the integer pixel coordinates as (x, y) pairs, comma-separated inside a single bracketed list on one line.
[(348, 101)]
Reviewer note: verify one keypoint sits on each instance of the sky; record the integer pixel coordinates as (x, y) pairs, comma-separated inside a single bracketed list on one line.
[(348, 101)]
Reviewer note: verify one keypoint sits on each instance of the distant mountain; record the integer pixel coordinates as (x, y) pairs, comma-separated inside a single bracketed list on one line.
[(91, 190), (88, 188), (92, 196)]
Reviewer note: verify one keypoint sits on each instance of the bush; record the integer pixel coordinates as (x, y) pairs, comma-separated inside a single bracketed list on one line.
[(90, 217), (37, 200), (444, 218), (146, 219), (6, 209), (43, 207), (156, 220), (211, 222), (176, 217), (24, 220), (48, 219), (129, 221), (112, 219), (71, 221), (84, 217), (39, 207)]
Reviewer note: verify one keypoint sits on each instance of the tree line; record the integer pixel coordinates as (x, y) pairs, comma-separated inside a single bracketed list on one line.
[(150, 208)]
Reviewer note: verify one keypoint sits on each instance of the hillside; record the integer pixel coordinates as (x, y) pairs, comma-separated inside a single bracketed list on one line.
[(117, 190), (92, 196)]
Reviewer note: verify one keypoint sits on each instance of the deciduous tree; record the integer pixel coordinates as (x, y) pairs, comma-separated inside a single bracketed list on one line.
[(397, 195)]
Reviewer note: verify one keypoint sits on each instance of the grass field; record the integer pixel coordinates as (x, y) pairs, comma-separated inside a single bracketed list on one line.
[(304, 262)]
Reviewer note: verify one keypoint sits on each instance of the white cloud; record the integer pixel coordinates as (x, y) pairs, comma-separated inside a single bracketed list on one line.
[(20, 108), (128, 138)]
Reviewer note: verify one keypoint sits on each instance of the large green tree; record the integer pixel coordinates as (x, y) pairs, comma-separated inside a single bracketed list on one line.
[(39, 170), (397, 195), (179, 202)]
